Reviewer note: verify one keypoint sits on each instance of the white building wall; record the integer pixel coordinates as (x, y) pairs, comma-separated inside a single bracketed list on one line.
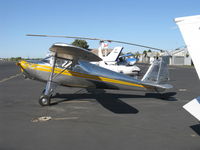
[(180, 57), (188, 61)]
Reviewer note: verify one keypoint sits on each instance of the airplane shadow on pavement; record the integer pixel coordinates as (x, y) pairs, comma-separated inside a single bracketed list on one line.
[(111, 101), (196, 128)]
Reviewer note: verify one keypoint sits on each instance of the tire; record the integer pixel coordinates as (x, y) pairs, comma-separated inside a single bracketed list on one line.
[(44, 100)]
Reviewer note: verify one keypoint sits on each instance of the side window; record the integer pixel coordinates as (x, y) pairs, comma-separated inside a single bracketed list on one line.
[(46, 60), (62, 63)]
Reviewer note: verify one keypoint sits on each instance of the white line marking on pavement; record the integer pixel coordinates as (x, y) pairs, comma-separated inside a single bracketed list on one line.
[(182, 90), (9, 78), (48, 118)]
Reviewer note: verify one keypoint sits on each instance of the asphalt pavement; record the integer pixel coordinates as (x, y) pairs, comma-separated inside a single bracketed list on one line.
[(102, 119)]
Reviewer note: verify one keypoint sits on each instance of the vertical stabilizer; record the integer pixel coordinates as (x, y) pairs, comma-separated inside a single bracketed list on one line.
[(157, 72), (190, 29), (113, 56)]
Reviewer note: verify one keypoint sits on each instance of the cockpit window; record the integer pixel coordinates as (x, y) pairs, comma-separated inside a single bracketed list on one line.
[(46, 60), (61, 63)]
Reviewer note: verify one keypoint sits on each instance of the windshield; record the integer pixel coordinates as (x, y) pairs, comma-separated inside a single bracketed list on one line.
[(61, 63)]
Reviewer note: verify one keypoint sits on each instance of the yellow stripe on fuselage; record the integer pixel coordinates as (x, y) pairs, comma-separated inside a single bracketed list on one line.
[(75, 74)]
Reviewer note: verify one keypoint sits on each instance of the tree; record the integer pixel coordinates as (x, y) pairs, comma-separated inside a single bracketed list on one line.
[(80, 43), (149, 50), (15, 58), (145, 53)]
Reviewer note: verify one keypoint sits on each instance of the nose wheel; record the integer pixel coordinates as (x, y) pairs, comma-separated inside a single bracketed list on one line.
[(45, 100)]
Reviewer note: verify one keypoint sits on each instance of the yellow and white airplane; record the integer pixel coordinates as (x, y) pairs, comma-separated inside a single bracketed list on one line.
[(70, 66), (113, 61)]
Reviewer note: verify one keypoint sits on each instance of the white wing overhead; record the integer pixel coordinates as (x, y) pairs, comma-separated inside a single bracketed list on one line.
[(190, 29), (73, 52)]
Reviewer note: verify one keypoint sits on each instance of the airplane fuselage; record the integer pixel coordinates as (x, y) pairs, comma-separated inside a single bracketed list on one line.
[(83, 74)]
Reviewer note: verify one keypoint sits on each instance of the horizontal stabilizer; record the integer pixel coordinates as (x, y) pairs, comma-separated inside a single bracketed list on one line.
[(73, 52), (162, 86)]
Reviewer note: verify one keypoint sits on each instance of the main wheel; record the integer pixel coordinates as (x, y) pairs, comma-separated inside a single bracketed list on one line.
[(44, 100)]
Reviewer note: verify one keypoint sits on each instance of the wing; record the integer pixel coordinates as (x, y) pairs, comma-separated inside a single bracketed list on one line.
[(125, 55), (73, 52), (190, 29)]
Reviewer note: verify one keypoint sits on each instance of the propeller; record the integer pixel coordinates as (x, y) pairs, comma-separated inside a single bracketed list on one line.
[(97, 39)]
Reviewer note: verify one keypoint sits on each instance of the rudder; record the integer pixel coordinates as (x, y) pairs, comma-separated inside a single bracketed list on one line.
[(158, 72)]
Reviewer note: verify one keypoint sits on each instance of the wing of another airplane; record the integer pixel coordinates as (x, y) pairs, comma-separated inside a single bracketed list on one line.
[(125, 55), (73, 52), (190, 29)]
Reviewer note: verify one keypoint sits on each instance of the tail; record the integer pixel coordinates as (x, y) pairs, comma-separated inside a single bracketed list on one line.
[(190, 29), (158, 72), (157, 75), (113, 56)]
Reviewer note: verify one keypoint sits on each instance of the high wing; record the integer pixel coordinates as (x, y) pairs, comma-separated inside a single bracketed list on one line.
[(126, 55), (190, 29), (73, 52)]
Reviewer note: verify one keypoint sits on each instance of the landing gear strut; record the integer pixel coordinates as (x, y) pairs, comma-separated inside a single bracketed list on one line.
[(45, 98)]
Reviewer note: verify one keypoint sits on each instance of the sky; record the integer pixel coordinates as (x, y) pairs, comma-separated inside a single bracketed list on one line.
[(146, 22)]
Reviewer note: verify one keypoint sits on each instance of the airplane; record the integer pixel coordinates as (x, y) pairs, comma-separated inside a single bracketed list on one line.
[(114, 57), (190, 30), (115, 62), (127, 61), (77, 71)]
